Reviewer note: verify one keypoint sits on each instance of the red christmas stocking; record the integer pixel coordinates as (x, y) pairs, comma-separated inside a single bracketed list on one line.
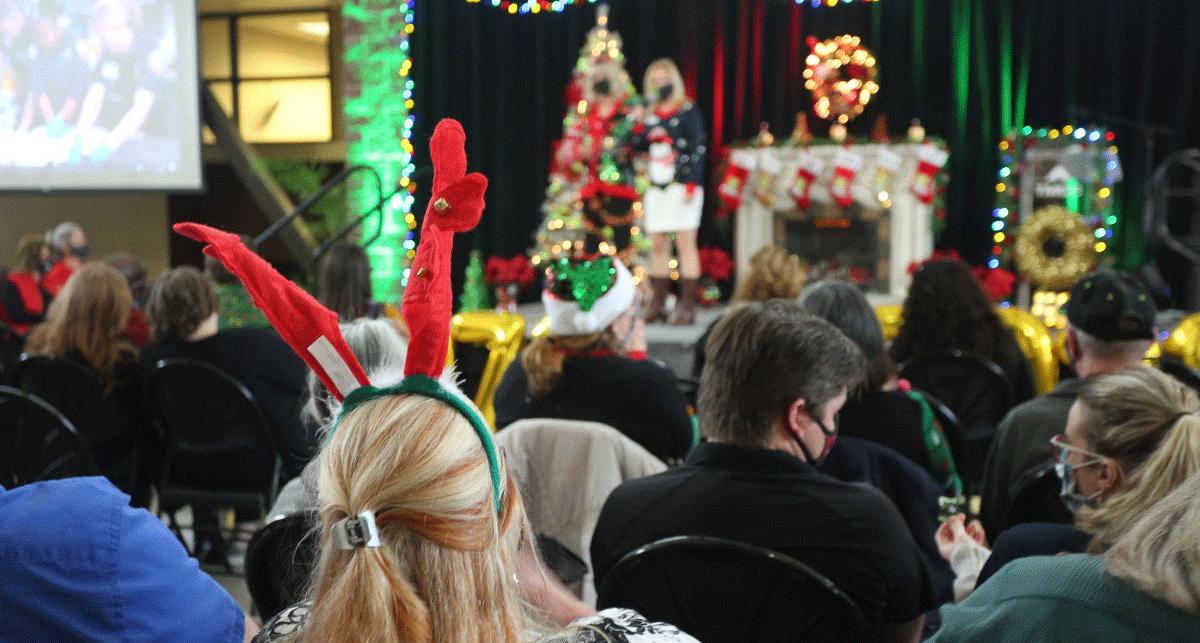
[(929, 161), (845, 167), (733, 184), (810, 167)]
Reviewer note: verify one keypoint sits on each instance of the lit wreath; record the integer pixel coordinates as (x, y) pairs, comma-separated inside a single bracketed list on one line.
[(840, 73), (1055, 248)]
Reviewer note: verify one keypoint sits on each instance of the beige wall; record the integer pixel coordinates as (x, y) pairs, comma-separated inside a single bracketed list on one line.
[(133, 222)]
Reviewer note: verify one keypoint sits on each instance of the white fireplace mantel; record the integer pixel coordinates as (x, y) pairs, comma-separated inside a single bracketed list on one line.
[(910, 219)]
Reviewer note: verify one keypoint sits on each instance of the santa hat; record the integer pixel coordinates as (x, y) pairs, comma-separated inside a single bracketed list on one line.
[(585, 296), (312, 330)]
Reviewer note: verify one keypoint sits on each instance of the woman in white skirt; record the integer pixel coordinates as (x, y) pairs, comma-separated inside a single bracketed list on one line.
[(671, 135)]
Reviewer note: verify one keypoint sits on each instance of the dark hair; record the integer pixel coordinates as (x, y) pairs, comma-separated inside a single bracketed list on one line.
[(345, 283), (180, 300), (762, 358), (29, 253), (844, 305), (946, 309), (134, 273)]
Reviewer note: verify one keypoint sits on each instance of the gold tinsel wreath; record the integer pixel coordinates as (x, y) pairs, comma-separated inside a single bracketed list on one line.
[(1055, 248)]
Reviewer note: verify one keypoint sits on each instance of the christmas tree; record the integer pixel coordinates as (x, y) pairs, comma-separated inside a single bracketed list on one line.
[(475, 290), (591, 175)]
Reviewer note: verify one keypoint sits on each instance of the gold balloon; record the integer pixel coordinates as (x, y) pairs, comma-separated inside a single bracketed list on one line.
[(1034, 340), (1184, 342), (502, 335), (1049, 225)]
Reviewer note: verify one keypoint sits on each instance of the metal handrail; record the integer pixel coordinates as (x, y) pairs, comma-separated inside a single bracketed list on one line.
[(341, 177), (319, 252), (1155, 210), (325, 245)]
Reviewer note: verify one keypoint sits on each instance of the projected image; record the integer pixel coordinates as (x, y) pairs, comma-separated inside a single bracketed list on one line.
[(98, 94)]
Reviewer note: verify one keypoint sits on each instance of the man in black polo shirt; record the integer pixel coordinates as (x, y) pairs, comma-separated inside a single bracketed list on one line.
[(770, 393)]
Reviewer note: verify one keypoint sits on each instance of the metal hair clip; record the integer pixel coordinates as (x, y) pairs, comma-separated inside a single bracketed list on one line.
[(356, 531)]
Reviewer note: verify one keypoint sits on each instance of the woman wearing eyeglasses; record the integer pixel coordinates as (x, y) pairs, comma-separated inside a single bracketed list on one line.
[(1131, 438)]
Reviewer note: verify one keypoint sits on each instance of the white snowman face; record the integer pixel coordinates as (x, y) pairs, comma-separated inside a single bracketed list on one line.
[(662, 162)]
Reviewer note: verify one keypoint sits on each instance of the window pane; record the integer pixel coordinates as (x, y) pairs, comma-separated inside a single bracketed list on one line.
[(223, 92), (216, 57), (285, 111), (294, 44)]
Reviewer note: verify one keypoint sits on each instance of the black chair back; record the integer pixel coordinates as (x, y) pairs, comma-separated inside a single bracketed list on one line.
[(723, 590), (280, 560), (12, 344), (1038, 499), (217, 442), (99, 418), (689, 386), (37, 442), (952, 428), (976, 390)]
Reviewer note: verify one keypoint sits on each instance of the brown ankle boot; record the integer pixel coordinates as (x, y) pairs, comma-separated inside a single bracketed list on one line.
[(685, 308), (656, 311)]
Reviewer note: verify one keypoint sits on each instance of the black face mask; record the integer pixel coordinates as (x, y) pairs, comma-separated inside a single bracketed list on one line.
[(665, 92), (602, 87), (830, 439)]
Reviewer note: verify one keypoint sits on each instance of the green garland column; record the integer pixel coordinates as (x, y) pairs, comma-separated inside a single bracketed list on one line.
[(379, 125)]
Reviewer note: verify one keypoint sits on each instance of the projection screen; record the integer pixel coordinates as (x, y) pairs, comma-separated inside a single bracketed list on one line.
[(99, 95)]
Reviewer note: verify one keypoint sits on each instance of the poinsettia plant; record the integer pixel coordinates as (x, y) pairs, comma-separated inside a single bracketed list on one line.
[(516, 270), (716, 264)]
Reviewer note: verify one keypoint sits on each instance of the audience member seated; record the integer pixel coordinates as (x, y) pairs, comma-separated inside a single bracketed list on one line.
[(183, 323), (774, 273), (1110, 327), (769, 399), (137, 330), (380, 350), (883, 410), (235, 309), (441, 558), (344, 285), (1144, 588), (579, 370), (24, 301), (84, 324), (69, 249), (78, 564), (1131, 438), (947, 309)]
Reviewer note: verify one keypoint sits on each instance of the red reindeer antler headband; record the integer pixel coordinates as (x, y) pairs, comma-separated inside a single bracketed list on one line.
[(312, 330)]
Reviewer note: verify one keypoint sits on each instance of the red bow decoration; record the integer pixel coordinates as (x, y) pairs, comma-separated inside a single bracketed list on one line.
[(455, 206), (501, 272)]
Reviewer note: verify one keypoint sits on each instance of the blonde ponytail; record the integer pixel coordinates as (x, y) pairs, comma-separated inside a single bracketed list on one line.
[(444, 568), (1160, 554), (1148, 422)]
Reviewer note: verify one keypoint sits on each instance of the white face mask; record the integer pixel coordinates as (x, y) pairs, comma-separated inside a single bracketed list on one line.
[(1073, 500)]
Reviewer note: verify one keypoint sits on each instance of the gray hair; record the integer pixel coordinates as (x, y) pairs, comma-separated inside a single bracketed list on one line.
[(1124, 350), (60, 238), (380, 349)]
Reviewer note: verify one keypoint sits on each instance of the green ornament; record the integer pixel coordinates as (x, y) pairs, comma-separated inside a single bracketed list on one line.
[(589, 280)]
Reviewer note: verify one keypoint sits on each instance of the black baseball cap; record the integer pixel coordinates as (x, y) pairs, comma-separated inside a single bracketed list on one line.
[(1111, 306)]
